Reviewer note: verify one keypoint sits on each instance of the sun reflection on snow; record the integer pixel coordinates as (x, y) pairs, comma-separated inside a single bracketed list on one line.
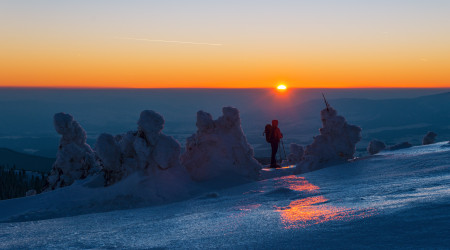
[(297, 183), (313, 210)]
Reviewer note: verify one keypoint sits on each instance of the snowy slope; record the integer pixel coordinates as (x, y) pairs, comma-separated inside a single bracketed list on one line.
[(394, 199)]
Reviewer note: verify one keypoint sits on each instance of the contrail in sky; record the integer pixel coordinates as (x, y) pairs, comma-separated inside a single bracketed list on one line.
[(167, 41)]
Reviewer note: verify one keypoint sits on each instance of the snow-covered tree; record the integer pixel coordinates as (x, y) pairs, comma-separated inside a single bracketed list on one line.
[(219, 149), (147, 150), (336, 142), (108, 151), (75, 159)]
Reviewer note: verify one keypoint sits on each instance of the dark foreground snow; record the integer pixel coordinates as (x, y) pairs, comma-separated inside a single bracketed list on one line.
[(394, 199)]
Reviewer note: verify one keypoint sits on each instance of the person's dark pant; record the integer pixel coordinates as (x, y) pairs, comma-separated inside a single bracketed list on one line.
[(273, 160)]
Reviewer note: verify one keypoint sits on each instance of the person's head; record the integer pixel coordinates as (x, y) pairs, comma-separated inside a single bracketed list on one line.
[(275, 123)]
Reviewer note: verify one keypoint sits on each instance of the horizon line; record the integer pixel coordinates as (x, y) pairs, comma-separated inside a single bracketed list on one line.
[(167, 88)]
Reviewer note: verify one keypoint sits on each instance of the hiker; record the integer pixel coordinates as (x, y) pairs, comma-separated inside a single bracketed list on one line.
[(273, 136)]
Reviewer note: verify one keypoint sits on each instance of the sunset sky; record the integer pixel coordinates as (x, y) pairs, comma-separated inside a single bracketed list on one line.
[(204, 43)]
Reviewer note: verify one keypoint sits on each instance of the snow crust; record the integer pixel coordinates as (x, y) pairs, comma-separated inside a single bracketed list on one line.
[(335, 144), (219, 150), (397, 199)]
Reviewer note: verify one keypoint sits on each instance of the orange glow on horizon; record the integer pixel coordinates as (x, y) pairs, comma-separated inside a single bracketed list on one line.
[(163, 84), (131, 68), (163, 68), (108, 68), (216, 86)]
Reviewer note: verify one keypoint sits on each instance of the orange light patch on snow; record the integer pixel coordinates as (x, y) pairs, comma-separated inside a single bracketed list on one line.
[(314, 209)]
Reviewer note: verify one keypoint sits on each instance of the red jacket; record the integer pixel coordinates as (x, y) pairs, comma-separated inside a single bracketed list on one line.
[(276, 135)]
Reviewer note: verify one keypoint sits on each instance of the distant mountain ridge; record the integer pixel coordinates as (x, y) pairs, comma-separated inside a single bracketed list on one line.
[(10, 158), (27, 115), (391, 120), (398, 112)]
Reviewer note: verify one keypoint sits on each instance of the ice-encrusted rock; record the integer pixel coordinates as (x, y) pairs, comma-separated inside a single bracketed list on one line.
[(336, 143), (219, 149), (75, 159), (429, 138), (296, 153), (400, 146), (375, 146)]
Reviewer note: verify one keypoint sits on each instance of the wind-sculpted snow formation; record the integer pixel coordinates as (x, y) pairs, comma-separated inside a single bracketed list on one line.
[(429, 138), (336, 143), (75, 159), (147, 151), (375, 146), (296, 153), (219, 149)]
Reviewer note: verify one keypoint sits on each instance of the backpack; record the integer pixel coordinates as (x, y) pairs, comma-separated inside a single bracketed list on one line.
[(268, 132)]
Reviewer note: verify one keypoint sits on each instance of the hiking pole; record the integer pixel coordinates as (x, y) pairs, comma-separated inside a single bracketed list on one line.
[(282, 143), (279, 153)]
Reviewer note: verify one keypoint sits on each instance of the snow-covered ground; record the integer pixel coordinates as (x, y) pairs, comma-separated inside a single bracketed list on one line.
[(393, 199)]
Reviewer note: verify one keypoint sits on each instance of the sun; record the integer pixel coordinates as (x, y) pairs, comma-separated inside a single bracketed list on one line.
[(281, 87)]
